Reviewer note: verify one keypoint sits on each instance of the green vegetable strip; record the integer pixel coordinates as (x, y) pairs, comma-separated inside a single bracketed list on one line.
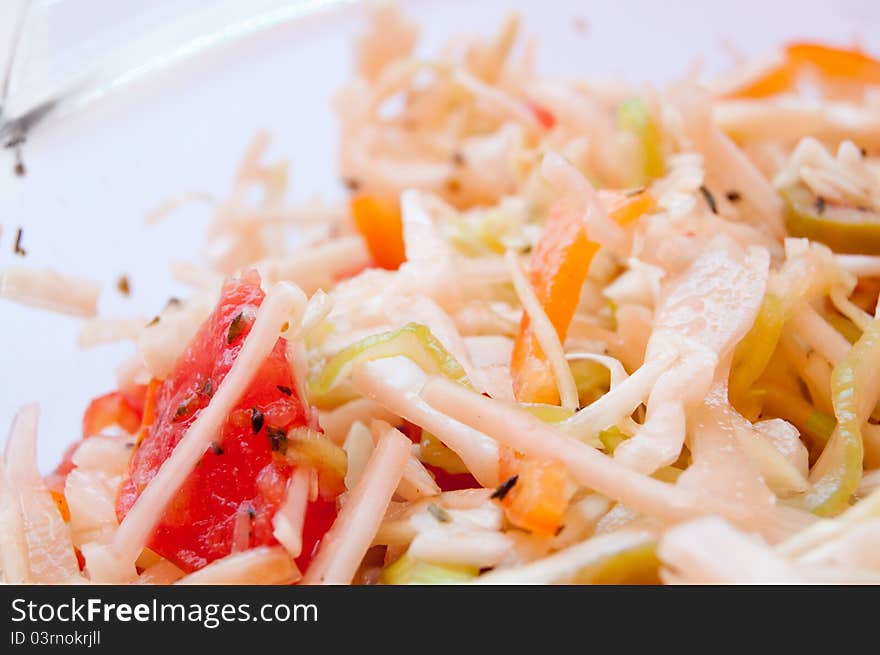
[(753, 353), (837, 474), (407, 570), (633, 116), (817, 425), (412, 340), (611, 438)]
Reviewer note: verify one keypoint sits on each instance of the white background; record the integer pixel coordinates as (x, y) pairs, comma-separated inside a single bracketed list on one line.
[(93, 176)]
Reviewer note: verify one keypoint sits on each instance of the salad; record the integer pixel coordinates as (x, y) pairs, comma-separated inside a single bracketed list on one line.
[(560, 332)]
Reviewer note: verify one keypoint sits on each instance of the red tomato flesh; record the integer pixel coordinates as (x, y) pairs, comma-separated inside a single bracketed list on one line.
[(239, 478), (111, 409)]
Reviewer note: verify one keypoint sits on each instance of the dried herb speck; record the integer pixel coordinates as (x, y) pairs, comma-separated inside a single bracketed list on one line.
[(634, 192), (218, 450), (820, 205), (439, 513), (252, 513), (351, 183), (710, 199), (257, 420), (123, 285), (155, 321), (458, 158), (504, 488), (287, 391), (18, 248), (185, 409), (734, 196), (19, 169)]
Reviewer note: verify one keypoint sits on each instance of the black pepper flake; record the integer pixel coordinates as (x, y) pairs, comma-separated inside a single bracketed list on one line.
[(734, 196), (710, 199), (208, 388), (129, 445), (155, 321), (218, 450), (287, 391), (257, 420), (351, 183), (634, 192), (252, 513), (235, 328), (123, 285), (504, 488), (18, 250), (458, 158), (173, 302), (820, 205), (277, 439), (559, 530), (439, 513)]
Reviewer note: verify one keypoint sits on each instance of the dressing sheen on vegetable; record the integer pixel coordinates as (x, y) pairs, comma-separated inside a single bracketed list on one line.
[(242, 477)]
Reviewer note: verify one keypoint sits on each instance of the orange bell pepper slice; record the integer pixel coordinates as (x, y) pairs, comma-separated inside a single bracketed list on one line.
[(835, 63), (379, 222), (61, 504), (538, 500), (558, 269), (840, 64)]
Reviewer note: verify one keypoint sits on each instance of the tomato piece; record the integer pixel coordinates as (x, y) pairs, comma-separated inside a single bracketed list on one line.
[(240, 473), (452, 481), (114, 408)]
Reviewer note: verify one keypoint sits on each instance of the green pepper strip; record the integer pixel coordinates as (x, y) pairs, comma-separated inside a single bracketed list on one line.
[(413, 340), (837, 474)]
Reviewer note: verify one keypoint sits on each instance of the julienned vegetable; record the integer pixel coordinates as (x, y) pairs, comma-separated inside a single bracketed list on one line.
[(407, 570), (633, 116), (834, 64), (538, 500), (378, 221), (753, 354), (412, 340), (664, 379), (855, 391), (843, 229), (638, 564), (558, 269)]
